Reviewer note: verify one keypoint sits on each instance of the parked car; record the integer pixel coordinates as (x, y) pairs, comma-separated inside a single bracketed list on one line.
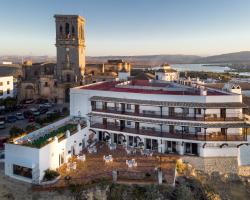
[(11, 118), (32, 118), (19, 116), (46, 105), (2, 122), (29, 101), (35, 111), (43, 110), (27, 114)]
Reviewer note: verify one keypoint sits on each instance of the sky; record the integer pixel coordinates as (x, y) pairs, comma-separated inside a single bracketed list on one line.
[(129, 27)]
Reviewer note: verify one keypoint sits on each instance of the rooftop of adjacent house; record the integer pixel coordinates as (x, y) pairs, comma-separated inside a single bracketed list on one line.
[(150, 87)]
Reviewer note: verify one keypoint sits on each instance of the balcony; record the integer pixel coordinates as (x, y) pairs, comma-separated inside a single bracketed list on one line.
[(174, 135), (176, 116)]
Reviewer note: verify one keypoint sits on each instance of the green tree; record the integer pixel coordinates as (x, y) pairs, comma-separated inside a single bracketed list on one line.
[(15, 131)]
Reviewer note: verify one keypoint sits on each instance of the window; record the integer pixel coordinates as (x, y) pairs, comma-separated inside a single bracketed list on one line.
[(68, 78), (186, 129), (129, 106), (129, 123), (1, 83), (185, 111), (67, 29), (22, 171), (8, 82), (1, 92), (73, 31), (197, 129), (8, 91), (46, 84), (61, 29), (188, 148), (198, 110)]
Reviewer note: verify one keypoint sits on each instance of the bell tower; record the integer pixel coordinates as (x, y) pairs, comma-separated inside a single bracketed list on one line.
[(70, 44)]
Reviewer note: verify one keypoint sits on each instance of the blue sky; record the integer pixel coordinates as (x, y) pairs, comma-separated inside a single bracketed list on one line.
[(129, 27)]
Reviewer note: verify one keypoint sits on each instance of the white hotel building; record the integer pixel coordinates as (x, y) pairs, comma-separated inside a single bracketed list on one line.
[(161, 116), (164, 116)]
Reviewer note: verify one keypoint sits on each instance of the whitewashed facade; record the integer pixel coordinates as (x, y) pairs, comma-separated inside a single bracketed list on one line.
[(35, 160), (6, 87), (170, 118)]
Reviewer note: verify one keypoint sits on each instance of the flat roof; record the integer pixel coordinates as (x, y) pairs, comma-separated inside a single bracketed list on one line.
[(148, 87), (171, 103)]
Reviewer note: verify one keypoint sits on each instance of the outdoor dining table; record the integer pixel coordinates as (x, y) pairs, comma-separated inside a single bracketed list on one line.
[(92, 149), (82, 157), (108, 158), (146, 152), (71, 166), (131, 163), (112, 146)]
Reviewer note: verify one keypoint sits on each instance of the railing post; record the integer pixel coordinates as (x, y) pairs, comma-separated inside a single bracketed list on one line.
[(246, 134), (204, 113), (161, 110), (205, 134), (226, 133)]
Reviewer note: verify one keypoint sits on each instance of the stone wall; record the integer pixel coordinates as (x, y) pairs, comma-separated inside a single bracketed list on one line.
[(223, 165)]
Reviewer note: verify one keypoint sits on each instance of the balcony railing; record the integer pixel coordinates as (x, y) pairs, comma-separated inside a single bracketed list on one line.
[(175, 115), (176, 135)]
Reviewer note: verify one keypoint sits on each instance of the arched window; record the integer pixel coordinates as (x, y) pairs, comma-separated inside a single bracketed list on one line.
[(67, 29), (61, 29), (68, 78), (73, 31)]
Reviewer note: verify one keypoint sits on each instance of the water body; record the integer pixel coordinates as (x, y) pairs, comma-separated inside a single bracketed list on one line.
[(200, 67), (244, 73)]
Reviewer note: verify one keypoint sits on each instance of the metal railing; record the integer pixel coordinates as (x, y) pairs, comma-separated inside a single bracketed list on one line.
[(174, 115), (218, 136)]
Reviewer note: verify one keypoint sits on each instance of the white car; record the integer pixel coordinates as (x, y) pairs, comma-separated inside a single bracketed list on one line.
[(2, 124), (35, 112), (19, 116)]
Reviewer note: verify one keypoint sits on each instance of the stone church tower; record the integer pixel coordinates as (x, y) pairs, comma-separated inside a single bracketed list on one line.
[(70, 44)]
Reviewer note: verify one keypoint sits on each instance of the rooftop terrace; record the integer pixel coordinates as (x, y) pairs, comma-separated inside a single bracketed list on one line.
[(46, 135), (149, 87)]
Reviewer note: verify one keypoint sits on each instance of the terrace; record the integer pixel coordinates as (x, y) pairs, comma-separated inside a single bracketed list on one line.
[(95, 169), (60, 130)]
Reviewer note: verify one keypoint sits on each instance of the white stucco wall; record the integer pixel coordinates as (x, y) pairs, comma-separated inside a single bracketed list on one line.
[(44, 158), (6, 82)]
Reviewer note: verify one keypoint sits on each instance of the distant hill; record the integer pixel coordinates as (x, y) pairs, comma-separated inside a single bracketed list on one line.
[(238, 57), (149, 60)]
